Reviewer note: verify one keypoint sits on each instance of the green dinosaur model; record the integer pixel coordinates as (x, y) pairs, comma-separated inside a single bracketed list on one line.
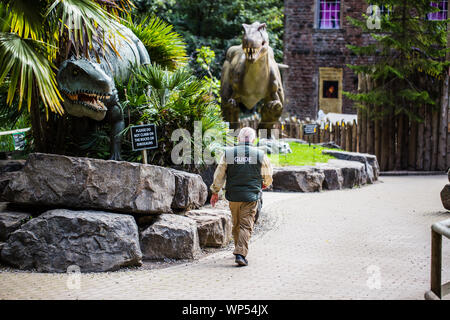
[(88, 87), (249, 75)]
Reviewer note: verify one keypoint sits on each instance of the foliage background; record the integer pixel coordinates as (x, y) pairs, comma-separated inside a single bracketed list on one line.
[(217, 24)]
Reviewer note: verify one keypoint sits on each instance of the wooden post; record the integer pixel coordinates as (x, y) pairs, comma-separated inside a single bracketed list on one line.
[(348, 137), (412, 145), (143, 152), (363, 143), (301, 131), (332, 132), (420, 141), (436, 263), (443, 123), (434, 139), (337, 134), (377, 134), (342, 136), (399, 154), (405, 145), (427, 141), (354, 137), (384, 144)]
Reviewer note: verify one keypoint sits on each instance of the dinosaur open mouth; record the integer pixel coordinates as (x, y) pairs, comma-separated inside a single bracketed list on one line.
[(252, 53), (91, 100)]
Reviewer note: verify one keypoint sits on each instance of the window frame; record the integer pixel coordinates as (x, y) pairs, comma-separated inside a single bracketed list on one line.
[(443, 11), (318, 12)]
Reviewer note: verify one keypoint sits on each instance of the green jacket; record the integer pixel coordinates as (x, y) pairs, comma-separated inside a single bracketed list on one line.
[(244, 178)]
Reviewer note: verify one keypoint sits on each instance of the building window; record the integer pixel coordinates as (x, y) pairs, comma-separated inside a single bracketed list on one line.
[(329, 14), (331, 89), (441, 14)]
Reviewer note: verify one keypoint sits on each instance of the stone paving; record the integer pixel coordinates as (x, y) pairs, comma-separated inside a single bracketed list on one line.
[(367, 243)]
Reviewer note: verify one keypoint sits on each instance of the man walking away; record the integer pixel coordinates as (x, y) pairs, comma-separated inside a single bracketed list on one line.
[(246, 170)]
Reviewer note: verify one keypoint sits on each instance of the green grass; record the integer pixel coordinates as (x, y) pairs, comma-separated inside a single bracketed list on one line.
[(302, 155)]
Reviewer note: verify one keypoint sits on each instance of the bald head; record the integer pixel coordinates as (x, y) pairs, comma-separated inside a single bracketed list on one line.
[(247, 134)]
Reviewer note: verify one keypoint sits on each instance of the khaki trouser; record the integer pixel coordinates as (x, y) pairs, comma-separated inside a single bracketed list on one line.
[(243, 214)]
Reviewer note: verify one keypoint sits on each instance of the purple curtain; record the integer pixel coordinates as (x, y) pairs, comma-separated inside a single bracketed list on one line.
[(441, 15), (329, 14)]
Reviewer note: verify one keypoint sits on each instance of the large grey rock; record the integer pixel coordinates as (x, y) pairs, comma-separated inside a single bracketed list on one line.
[(190, 191), (445, 196), (334, 180), (353, 172), (214, 226), (10, 221), (171, 236), (370, 161), (300, 179), (92, 240), (71, 182)]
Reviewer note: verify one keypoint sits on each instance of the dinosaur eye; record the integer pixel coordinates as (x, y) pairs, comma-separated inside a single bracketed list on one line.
[(75, 72)]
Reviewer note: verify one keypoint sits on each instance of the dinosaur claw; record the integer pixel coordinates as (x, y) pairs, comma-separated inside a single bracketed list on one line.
[(115, 156), (232, 102)]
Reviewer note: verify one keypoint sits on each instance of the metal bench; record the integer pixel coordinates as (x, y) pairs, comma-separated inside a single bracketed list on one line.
[(438, 290)]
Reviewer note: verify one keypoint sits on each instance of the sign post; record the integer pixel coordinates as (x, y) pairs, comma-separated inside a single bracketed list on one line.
[(308, 130), (144, 137)]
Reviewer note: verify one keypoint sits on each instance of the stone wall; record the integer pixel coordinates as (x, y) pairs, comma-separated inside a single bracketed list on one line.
[(307, 48)]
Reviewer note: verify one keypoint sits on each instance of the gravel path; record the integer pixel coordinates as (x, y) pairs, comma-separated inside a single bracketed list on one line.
[(367, 243)]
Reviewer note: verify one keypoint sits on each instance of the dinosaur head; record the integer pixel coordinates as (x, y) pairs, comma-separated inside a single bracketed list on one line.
[(85, 88), (255, 41)]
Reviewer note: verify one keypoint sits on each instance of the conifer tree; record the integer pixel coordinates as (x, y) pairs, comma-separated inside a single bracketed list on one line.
[(410, 58)]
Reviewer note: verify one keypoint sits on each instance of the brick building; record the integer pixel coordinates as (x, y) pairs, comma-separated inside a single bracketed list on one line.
[(315, 39)]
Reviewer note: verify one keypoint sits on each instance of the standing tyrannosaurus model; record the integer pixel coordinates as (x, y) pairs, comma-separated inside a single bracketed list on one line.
[(249, 75), (88, 87)]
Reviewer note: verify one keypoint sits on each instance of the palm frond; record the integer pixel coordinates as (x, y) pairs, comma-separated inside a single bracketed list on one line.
[(23, 17), (25, 62), (165, 47)]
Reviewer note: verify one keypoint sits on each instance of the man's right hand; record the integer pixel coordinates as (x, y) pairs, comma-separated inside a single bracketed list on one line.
[(214, 199)]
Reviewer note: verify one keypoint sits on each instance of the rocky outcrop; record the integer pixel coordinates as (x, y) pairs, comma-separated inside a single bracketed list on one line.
[(171, 236), (353, 173), (70, 182), (445, 196), (92, 240), (370, 162), (190, 191), (334, 180), (334, 175), (214, 226), (299, 179), (10, 221)]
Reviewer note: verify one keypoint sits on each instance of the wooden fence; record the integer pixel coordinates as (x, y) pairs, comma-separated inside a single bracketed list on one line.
[(343, 134), (399, 143)]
